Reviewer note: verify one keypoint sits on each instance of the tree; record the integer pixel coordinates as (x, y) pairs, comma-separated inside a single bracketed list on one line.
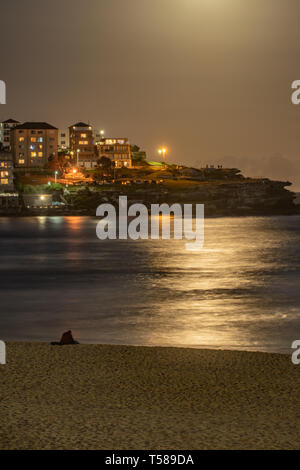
[(105, 163), (58, 162)]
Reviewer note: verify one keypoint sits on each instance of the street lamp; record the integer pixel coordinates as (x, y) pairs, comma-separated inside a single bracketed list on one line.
[(162, 151), (55, 175), (78, 152)]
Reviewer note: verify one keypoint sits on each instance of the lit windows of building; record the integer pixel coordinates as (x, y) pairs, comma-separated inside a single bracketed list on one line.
[(39, 143), (117, 149), (6, 128), (82, 145), (6, 172)]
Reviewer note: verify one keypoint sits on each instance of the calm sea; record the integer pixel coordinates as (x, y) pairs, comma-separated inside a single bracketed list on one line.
[(241, 291)]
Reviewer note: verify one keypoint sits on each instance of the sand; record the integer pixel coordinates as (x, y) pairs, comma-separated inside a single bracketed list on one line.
[(121, 397)]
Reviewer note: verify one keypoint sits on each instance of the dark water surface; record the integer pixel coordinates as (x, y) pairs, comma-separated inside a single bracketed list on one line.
[(241, 291)]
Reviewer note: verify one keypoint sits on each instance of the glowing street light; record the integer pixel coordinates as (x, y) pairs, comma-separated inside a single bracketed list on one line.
[(55, 175), (78, 152), (42, 198), (162, 151)]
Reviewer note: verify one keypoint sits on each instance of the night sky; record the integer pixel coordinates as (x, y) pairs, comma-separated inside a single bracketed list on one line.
[(210, 79)]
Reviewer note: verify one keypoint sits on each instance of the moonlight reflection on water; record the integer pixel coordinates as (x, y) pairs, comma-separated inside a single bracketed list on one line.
[(241, 291)]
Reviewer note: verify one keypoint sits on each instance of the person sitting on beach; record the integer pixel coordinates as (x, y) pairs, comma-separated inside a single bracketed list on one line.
[(66, 339)]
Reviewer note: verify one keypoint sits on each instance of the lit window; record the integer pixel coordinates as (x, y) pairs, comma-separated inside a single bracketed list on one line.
[(33, 154), (21, 161), (83, 136), (4, 174), (4, 181), (40, 154), (83, 142), (21, 139), (40, 139), (32, 139)]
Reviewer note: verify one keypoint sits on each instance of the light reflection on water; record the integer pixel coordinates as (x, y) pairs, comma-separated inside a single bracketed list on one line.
[(241, 291)]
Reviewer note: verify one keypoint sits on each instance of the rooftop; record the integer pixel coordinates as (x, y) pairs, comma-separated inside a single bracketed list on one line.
[(80, 124), (35, 125), (11, 121)]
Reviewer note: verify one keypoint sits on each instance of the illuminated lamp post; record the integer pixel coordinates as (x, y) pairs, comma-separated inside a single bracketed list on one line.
[(162, 151)]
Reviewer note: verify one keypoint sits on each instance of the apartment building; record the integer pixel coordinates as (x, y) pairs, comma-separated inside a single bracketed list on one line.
[(6, 128), (82, 146), (63, 139), (6, 172), (33, 143), (117, 150)]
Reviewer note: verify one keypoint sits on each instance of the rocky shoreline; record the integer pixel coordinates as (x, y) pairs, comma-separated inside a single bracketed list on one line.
[(227, 199)]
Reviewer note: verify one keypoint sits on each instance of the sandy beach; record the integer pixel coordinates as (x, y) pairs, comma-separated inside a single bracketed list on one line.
[(121, 397)]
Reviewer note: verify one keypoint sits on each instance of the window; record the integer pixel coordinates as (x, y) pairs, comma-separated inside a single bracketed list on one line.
[(40, 139), (40, 154), (21, 139), (40, 147), (4, 181), (33, 132), (21, 161), (83, 142), (32, 139), (4, 174), (3, 164), (33, 154), (83, 136)]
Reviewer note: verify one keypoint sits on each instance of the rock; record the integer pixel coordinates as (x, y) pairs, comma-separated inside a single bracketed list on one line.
[(66, 339)]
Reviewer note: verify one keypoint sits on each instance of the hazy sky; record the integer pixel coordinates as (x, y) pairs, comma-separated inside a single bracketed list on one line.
[(210, 79)]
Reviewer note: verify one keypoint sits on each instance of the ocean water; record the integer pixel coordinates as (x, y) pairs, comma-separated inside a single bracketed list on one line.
[(241, 291)]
